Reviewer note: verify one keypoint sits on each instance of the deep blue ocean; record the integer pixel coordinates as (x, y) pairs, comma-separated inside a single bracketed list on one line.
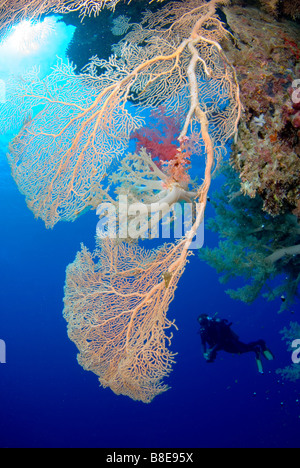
[(48, 400)]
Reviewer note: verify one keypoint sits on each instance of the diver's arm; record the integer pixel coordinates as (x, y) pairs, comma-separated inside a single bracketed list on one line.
[(211, 354)]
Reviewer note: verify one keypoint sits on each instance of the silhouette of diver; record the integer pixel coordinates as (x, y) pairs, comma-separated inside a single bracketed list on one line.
[(216, 335)]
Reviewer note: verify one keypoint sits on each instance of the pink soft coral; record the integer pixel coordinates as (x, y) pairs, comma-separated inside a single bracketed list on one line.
[(159, 137)]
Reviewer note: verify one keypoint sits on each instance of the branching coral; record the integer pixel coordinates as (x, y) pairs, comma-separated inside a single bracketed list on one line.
[(173, 53), (292, 372), (115, 305), (116, 308), (13, 11), (59, 159), (116, 299), (256, 246), (121, 24)]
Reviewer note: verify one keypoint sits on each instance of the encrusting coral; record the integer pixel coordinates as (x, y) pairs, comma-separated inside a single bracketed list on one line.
[(266, 58), (277, 8)]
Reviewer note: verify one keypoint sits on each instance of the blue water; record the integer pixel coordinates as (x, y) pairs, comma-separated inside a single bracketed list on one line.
[(48, 400)]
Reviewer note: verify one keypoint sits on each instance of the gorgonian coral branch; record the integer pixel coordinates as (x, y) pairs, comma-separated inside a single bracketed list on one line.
[(117, 299), (13, 11), (142, 188), (116, 307), (74, 146)]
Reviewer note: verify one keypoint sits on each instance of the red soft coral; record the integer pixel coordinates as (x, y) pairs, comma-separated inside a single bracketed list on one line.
[(159, 137)]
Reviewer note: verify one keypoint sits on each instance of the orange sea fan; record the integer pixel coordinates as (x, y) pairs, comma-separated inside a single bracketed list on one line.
[(116, 299), (60, 158), (12, 11), (115, 304)]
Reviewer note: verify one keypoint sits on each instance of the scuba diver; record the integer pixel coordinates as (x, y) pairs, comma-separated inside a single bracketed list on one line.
[(216, 335)]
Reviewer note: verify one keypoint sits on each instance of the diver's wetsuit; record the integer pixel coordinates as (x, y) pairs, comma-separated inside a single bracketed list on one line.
[(217, 335)]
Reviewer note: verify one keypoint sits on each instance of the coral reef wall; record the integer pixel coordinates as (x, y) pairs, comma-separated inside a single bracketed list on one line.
[(266, 56)]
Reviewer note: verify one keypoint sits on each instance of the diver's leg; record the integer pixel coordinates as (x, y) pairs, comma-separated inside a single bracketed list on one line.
[(255, 347), (238, 347), (263, 349), (266, 352)]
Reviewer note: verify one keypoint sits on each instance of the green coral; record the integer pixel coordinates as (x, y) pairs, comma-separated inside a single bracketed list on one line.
[(253, 245), (292, 372)]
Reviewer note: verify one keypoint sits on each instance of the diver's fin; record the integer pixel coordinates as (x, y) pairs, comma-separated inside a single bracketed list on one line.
[(259, 365), (268, 355)]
